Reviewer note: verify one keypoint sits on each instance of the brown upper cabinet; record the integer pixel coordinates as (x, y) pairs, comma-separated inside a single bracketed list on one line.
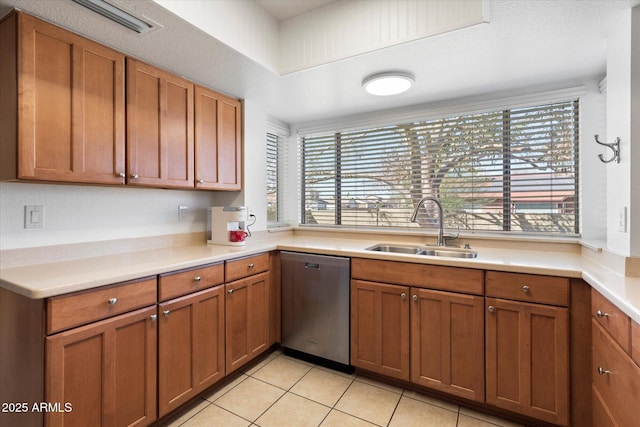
[(62, 116), (159, 127), (218, 141), (62, 105)]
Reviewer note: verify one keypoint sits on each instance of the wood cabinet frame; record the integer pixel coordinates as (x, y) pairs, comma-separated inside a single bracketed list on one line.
[(111, 363), (62, 108)]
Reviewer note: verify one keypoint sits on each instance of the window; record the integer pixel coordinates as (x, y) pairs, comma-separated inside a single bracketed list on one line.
[(272, 179), (512, 170)]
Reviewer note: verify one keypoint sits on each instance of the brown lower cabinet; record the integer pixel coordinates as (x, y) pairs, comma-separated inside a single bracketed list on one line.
[(615, 375), (380, 328), (190, 346), (247, 319), (432, 338), (103, 374), (447, 345), (527, 350)]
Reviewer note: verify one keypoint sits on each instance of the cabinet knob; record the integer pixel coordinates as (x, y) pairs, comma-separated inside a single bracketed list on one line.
[(122, 175), (166, 313), (201, 181), (112, 301), (154, 317), (134, 176), (197, 279), (251, 265), (491, 309), (525, 289), (415, 297), (230, 291), (601, 314), (602, 371), (403, 296)]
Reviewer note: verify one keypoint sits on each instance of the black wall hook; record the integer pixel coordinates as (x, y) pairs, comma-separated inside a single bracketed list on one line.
[(616, 150)]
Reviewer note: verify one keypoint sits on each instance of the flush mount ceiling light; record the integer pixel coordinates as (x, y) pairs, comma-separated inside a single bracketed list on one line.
[(389, 83), (117, 14)]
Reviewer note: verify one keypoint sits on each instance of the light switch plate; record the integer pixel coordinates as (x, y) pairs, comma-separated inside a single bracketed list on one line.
[(622, 219), (183, 211), (34, 216)]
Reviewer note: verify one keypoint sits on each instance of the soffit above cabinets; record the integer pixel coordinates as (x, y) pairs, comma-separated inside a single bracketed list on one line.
[(286, 9), (298, 35), (528, 46)]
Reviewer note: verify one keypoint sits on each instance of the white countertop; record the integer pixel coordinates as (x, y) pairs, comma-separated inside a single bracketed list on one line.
[(49, 279)]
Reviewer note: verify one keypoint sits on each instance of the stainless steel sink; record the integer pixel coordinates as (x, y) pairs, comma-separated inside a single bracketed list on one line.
[(438, 251)]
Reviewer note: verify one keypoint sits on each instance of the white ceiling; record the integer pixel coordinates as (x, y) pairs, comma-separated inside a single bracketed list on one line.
[(527, 44)]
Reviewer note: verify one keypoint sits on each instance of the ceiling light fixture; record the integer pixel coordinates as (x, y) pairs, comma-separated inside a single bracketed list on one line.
[(117, 14), (388, 83)]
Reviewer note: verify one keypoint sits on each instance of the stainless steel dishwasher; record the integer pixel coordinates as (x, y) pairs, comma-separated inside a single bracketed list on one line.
[(315, 305)]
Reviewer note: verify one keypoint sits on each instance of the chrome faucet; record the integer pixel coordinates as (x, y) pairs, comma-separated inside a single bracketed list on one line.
[(414, 217)]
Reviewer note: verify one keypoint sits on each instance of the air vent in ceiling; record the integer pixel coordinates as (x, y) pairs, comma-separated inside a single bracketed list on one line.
[(122, 15)]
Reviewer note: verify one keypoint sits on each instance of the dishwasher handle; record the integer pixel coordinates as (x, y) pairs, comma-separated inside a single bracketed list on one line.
[(313, 265)]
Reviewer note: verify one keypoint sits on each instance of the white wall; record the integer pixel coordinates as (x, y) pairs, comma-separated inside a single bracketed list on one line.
[(593, 173), (623, 104), (227, 21), (85, 213), (634, 212)]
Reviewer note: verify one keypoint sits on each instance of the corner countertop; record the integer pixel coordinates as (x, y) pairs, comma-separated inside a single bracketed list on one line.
[(56, 278)]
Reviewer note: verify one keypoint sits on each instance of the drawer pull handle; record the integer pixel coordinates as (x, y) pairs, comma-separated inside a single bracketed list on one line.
[(166, 313), (602, 371), (154, 317), (251, 265), (201, 181), (112, 301), (415, 297), (197, 279), (403, 296), (491, 309), (230, 291), (600, 314), (121, 175), (134, 176), (525, 289)]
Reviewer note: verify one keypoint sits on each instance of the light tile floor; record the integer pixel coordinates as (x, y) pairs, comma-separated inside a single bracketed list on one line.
[(282, 391)]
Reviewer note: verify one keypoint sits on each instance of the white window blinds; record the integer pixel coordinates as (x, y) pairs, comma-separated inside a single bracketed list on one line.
[(273, 215), (513, 170)]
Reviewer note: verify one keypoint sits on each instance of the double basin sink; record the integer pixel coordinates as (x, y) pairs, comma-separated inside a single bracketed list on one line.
[(435, 251)]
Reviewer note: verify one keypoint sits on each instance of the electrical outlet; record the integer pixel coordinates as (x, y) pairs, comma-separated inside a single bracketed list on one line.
[(34, 216), (183, 211), (622, 219)]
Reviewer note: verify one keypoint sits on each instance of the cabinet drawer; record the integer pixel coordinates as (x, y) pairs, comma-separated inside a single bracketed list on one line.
[(78, 308), (528, 288), (615, 376), (453, 279), (173, 285), (245, 267), (614, 321)]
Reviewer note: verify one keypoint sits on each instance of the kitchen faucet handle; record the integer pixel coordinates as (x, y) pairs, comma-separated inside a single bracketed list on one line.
[(451, 236)]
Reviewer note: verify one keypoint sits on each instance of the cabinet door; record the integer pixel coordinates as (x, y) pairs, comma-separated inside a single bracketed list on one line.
[(218, 141), (447, 342), (104, 374), (191, 346), (159, 127), (380, 328), (247, 319), (527, 351), (71, 107)]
